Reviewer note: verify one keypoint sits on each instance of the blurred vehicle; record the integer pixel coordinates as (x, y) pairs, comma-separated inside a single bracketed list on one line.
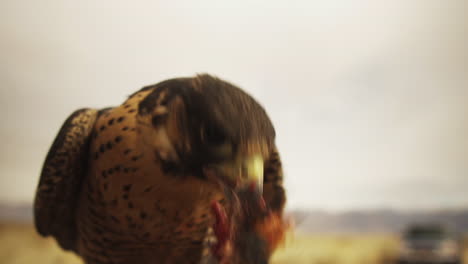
[(429, 243)]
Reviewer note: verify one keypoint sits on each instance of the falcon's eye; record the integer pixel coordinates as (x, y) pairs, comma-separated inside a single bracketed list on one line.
[(212, 135)]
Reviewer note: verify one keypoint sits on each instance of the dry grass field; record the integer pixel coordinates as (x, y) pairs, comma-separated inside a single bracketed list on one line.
[(334, 249), (19, 244)]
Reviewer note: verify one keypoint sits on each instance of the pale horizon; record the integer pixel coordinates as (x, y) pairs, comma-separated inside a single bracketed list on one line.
[(369, 98)]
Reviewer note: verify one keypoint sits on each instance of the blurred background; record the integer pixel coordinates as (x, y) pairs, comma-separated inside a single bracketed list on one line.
[(368, 99)]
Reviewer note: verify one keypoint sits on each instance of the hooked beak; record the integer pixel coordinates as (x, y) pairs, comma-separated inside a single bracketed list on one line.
[(241, 173), (254, 171)]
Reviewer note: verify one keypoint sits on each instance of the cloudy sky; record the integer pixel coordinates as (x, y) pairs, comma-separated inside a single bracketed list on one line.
[(369, 98)]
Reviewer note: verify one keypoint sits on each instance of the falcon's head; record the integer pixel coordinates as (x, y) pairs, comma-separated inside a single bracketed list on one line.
[(207, 128)]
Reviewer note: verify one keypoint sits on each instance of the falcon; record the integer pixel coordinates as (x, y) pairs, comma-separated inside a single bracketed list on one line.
[(184, 171)]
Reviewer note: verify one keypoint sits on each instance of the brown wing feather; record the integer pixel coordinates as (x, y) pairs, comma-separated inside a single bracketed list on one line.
[(273, 228), (60, 181), (273, 190)]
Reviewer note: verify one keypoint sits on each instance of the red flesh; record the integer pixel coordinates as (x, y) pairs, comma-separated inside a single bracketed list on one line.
[(221, 230)]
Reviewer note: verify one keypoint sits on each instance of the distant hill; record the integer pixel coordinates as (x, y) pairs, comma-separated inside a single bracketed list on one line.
[(387, 221), (372, 221), (18, 213)]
